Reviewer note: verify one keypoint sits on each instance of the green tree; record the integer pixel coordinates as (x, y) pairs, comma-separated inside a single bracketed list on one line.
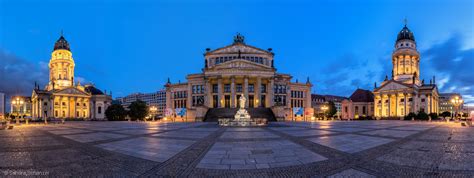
[(410, 116), (115, 112), (422, 116), (445, 114), (434, 116), (138, 110), (331, 109)]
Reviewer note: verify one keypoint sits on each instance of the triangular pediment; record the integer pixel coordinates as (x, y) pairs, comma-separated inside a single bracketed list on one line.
[(235, 48), (392, 85), (240, 64), (71, 91)]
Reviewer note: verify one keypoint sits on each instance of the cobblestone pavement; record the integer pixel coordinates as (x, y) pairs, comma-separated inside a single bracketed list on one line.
[(312, 149)]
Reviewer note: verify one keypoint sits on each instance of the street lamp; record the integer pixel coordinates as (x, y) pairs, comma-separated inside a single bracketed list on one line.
[(153, 110), (456, 101), (324, 108), (18, 103)]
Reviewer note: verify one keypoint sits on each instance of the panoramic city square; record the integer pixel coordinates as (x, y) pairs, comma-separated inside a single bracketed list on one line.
[(303, 149), (247, 88)]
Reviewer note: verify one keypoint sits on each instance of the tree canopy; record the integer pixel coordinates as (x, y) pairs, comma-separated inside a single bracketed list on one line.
[(138, 110), (331, 109), (115, 112)]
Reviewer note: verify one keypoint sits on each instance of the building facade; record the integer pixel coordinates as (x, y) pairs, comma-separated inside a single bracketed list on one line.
[(20, 106), (234, 70), (2, 106), (61, 97), (157, 99), (317, 101), (404, 92), (445, 102), (359, 105)]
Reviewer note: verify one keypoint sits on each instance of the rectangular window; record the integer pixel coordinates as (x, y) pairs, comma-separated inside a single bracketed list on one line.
[(227, 88), (239, 88), (251, 88), (263, 88), (215, 88)]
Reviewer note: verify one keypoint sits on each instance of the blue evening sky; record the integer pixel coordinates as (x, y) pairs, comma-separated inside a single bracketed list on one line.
[(134, 46)]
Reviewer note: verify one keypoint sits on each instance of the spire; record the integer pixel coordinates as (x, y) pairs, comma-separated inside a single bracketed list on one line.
[(386, 77), (405, 21), (307, 80), (168, 81), (375, 85), (434, 80)]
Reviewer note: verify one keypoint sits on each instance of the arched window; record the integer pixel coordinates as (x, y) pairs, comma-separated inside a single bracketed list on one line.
[(99, 110)]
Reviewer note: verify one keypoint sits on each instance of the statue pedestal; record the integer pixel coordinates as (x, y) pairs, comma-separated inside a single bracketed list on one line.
[(242, 119)]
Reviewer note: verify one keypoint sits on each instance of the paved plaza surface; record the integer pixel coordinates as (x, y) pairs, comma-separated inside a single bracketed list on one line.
[(301, 149)]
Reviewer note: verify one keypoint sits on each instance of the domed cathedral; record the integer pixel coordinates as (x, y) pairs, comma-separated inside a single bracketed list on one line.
[(230, 72), (61, 97), (404, 93)]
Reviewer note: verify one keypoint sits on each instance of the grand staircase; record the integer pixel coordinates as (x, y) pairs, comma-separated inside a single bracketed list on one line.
[(213, 114)]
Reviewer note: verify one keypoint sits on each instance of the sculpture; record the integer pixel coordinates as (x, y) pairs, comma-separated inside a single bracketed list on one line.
[(242, 101)]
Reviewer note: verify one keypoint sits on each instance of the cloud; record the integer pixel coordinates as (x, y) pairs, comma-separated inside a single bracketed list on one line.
[(453, 65), (349, 72), (17, 75), (449, 61)]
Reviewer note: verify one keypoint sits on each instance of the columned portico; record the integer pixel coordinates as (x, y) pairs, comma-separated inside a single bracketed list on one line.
[(235, 70)]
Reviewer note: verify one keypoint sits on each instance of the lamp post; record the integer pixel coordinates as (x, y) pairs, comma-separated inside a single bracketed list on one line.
[(18, 103), (153, 110), (324, 108), (456, 101)]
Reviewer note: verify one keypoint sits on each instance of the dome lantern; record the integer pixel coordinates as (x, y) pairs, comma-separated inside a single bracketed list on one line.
[(61, 43)]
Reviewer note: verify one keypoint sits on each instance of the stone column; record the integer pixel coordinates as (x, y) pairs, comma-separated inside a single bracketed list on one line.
[(52, 107), (219, 93), (405, 104), (382, 109), (189, 99), (308, 98), (246, 91), (396, 105), (376, 101), (431, 103), (389, 105), (232, 92), (208, 100), (258, 93), (288, 95), (413, 106), (270, 92)]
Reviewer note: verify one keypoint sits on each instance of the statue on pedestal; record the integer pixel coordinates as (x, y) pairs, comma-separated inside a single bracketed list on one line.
[(242, 114)]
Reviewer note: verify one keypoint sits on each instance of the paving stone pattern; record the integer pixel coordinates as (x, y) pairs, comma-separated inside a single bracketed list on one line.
[(284, 149)]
